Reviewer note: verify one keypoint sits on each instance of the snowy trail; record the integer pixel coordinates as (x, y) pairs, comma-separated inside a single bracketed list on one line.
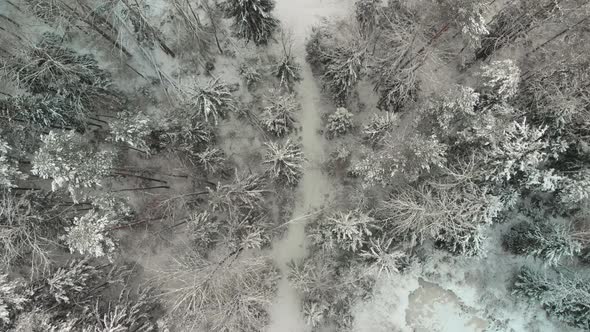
[(298, 16)]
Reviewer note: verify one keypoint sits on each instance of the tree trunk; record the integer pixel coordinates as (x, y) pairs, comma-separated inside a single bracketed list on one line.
[(13, 5), (430, 42), (152, 30), (12, 34), (135, 71), (213, 24), (561, 33), (83, 18), (10, 20), (139, 177), (132, 224), (98, 120), (138, 189)]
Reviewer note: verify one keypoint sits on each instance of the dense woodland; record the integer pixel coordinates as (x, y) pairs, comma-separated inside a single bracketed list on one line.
[(452, 122)]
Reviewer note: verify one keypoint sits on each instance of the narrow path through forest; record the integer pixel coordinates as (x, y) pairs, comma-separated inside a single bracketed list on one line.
[(297, 17)]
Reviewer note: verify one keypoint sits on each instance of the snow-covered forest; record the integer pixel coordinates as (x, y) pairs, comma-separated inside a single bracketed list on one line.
[(294, 165)]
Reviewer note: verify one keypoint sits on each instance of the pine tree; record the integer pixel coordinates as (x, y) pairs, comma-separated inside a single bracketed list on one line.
[(340, 61), (550, 241), (29, 224), (519, 153), (9, 171), (286, 69), (452, 213), (89, 235), (231, 295), (43, 111), (468, 16), (253, 20), (454, 112), (347, 231), (564, 295), (278, 117), (211, 160), (49, 68), (366, 12), (12, 299), (501, 79), (285, 161), (246, 193), (131, 129), (211, 102), (69, 161), (377, 129), (339, 122)]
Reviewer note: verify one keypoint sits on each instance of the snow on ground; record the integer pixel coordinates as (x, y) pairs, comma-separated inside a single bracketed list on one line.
[(445, 293)]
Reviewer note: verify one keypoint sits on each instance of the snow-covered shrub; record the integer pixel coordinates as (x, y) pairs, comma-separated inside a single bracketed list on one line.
[(251, 73), (339, 61), (90, 235), (78, 281), (550, 241), (8, 168), (278, 117), (48, 67), (132, 129), (43, 111), (468, 15), (453, 111), (347, 231), (252, 19), (234, 295), (322, 304), (25, 234), (376, 130), (422, 154), (130, 312), (519, 152), (285, 161), (451, 214), (366, 14), (501, 79), (212, 102), (70, 161), (287, 70), (12, 299), (382, 257), (339, 122), (343, 71), (246, 193), (184, 138)]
